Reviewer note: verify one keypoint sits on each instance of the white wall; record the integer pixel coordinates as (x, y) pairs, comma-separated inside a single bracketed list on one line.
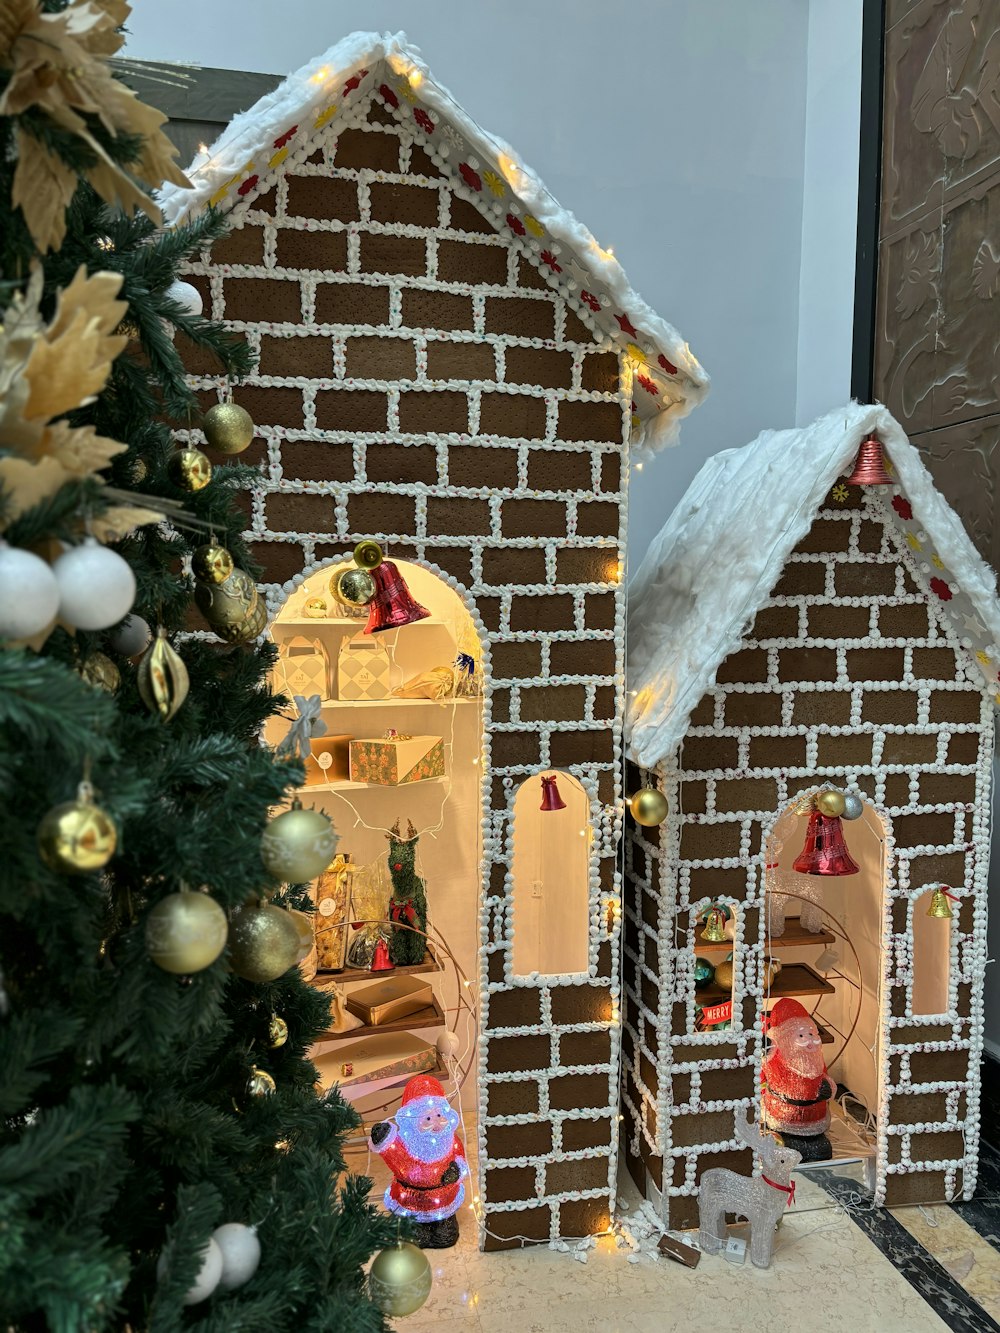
[(674, 129)]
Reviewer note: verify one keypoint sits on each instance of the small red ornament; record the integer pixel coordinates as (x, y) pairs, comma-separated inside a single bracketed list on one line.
[(668, 366), (588, 298), (902, 507), (549, 258), (647, 384), (354, 81), (388, 96), (282, 139), (515, 224), (941, 588), (381, 962), (626, 325), (248, 185), (423, 120), (470, 177)]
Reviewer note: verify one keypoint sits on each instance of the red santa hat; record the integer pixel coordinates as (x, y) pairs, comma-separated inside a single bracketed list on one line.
[(787, 1010), (422, 1085)]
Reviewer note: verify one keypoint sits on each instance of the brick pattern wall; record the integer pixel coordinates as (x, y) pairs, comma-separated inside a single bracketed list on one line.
[(421, 383), (903, 718)]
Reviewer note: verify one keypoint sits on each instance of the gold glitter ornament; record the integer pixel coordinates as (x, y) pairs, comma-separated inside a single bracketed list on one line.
[(98, 670), (228, 428), (162, 677), (260, 1083), (315, 608), (649, 807), (277, 1032), (368, 554), (353, 586), (830, 803), (263, 942), (400, 1279), (298, 845), (186, 932), (189, 469), (77, 837), (212, 563), (226, 596)]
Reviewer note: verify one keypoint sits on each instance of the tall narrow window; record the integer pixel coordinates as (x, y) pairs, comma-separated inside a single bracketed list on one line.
[(551, 873), (931, 959)]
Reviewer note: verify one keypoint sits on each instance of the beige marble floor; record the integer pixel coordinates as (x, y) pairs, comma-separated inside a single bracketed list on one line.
[(825, 1273), (971, 1260)]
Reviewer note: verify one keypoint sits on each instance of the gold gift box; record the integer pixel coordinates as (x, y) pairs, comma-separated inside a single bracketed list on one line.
[(330, 760), (387, 1000)]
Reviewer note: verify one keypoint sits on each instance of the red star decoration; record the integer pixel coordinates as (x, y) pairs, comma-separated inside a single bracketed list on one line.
[(626, 325), (668, 366), (282, 139)]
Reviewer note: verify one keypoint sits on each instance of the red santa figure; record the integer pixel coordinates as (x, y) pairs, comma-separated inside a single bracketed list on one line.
[(797, 1088), (427, 1161)]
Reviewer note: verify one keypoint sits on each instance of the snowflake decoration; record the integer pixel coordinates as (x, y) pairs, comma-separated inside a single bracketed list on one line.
[(495, 183), (914, 541), (840, 493), (937, 562), (424, 121), (388, 96), (470, 176), (591, 301), (549, 258), (452, 135), (983, 659)]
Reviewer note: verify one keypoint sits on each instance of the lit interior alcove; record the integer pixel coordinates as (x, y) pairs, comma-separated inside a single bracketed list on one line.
[(932, 939), (831, 959), (714, 997), (551, 877), (446, 810)]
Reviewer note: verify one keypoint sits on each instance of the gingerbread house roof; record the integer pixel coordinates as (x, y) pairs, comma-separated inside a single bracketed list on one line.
[(331, 91), (721, 552)]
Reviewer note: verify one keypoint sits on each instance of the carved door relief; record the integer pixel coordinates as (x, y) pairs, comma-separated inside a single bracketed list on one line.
[(937, 313)]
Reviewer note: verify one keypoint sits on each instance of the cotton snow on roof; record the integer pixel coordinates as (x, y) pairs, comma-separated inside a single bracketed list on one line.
[(721, 552), (330, 91)]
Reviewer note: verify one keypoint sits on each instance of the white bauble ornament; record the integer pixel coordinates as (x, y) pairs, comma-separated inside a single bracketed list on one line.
[(96, 586), (29, 593), (208, 1275), (240, 1253), (132, 637), (186, 296), (447, 1045)]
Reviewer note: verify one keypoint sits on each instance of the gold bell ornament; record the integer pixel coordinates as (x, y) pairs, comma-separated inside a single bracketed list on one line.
[(263, 942), (298, 845), (228, 428), (368, 554), (186, 932), (400, 1279), (940, 904), (189, 469), (649, 807), (714, 930), (226, 596), (77, 837), (162, 677)]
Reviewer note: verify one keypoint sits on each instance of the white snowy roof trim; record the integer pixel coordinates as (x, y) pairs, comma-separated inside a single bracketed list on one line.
[(717, 558), (667, 379)]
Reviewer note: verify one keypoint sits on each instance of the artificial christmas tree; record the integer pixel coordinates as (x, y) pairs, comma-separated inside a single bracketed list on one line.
[(162, 1142)]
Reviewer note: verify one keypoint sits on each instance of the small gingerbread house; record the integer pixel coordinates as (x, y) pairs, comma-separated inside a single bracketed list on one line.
[(793, 632), (449, 363)]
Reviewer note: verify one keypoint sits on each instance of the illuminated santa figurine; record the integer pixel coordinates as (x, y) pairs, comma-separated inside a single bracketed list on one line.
[(797, 1088), (427, 1161)]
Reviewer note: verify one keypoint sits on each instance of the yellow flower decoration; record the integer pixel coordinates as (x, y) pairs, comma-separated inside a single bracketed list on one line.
[(937, 562), (495, 182), (913, 542), (533, 225), (404, 89), (637, 354), (324, 116), (983, 659)]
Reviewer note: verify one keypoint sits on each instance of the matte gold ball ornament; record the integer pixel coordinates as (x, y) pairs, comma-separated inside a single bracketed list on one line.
[(649, 807), (162, 677), (186, 932), (98, 670), (263, 942), (277, 1032), (831, 803), (352, 586), (400, 1279), (298, 845), (368, 554), (228, 428), (260, 1083), (724, 973), (189, 469), (77, 837)]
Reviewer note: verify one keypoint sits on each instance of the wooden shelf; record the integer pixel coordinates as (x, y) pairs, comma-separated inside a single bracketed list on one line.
[(339, 622), (358, 1090), (430, 964), (430, 1017), (397, 703), (345, 785), (793, 979), (793, 938)]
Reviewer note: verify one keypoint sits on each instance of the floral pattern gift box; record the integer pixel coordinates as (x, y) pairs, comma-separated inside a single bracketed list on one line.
[(393, 760)]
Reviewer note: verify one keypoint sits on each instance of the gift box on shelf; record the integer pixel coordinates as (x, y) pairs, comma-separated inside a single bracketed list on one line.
[(332, 892), (391, 1055), (385, 1001), (303, 667), (330, 760), (395, 759), (363, 669)]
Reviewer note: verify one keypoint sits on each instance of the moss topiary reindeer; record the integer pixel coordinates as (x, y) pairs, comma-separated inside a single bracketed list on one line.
[(408, 903)]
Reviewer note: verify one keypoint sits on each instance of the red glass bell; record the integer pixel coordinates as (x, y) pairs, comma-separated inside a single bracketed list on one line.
[(869, 466), (551, 800), (381, 962), (393, 605), (825, 851)]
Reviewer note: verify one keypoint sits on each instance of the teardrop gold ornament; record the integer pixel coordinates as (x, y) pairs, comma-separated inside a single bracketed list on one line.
[(162, 677)]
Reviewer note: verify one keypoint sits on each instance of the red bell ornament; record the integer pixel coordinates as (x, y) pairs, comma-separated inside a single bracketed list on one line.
[(393, 605), (825, 851), (381, 962), (551, 800), (869, 466)]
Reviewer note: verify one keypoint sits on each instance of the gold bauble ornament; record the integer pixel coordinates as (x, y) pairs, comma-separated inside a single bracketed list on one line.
[(250, 626), (260, 1083), (228, 428), (315, 608), (186, 932), (212, 563), (77, 837), (400, 1279), (304, 928), (189, 469), (226, 596), (162, 677), (98, 670), (277, 1031), (353, 586), (368, 554), (298, 845), (724, 974), (831, 803), (649, 807), (263, 942)]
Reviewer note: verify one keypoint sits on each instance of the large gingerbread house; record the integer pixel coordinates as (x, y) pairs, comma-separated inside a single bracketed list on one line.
[(792, 632), (450, 363)]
